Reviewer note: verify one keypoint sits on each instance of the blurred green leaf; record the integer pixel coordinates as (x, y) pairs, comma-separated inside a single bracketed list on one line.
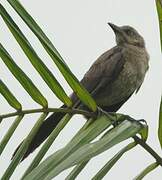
[(84, 136), (78, 168), (46, 170), (159, 11), (112, 162), (7, 94), (45, 73), (81, 92), (48, 143), (118, 134), (147, 170), (22, 78), (160, 124), (21, 151), (10, 132)]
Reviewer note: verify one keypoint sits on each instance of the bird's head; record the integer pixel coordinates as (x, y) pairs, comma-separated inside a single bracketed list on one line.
[(127, 35)]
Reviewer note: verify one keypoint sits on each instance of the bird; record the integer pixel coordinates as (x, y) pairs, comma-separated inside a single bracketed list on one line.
[(111, 80)]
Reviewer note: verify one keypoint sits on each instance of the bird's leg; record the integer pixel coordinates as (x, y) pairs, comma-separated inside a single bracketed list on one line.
[(112, 116), (115, 118)]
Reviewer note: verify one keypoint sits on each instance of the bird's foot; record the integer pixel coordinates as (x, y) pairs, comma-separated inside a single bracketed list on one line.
[(115, 118), (111, 115), (126, 117), (142, 121)]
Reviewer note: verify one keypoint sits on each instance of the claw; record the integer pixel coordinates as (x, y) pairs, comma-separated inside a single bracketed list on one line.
[(100, 111), (131, 119), (112, 116), (142, 121)]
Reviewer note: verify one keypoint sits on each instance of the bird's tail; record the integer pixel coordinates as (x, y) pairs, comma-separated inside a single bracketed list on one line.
[(44, 131)]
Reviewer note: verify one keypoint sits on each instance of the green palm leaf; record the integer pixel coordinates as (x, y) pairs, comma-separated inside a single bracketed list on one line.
[(159, 11), (22, 78), (34, 59), (68, 75), (46, 170), (7, 94)]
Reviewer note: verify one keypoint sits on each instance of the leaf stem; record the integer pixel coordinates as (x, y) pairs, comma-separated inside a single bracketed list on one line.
[(148, 149), (45, 110)]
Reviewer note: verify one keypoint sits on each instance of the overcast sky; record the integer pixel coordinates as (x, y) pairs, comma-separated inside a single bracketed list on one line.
[(80, 32)]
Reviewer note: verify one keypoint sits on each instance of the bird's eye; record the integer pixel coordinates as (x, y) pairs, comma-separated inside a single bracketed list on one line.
[(129, 32)]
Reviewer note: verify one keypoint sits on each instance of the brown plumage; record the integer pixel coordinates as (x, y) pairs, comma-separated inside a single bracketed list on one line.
[(111, 79)]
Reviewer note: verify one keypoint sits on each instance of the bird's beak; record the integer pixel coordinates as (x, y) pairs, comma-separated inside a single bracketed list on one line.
[(115, 28)]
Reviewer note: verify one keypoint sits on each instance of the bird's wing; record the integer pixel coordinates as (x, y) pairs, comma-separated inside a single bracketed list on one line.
[(104, 71)]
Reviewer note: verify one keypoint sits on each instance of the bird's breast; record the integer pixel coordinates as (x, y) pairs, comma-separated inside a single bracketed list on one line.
[(128, 80)]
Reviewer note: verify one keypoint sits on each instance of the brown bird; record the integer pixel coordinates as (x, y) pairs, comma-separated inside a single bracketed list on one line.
[(111, 80)]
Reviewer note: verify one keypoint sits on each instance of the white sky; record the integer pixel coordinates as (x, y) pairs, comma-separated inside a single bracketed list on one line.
[(80, 32)]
